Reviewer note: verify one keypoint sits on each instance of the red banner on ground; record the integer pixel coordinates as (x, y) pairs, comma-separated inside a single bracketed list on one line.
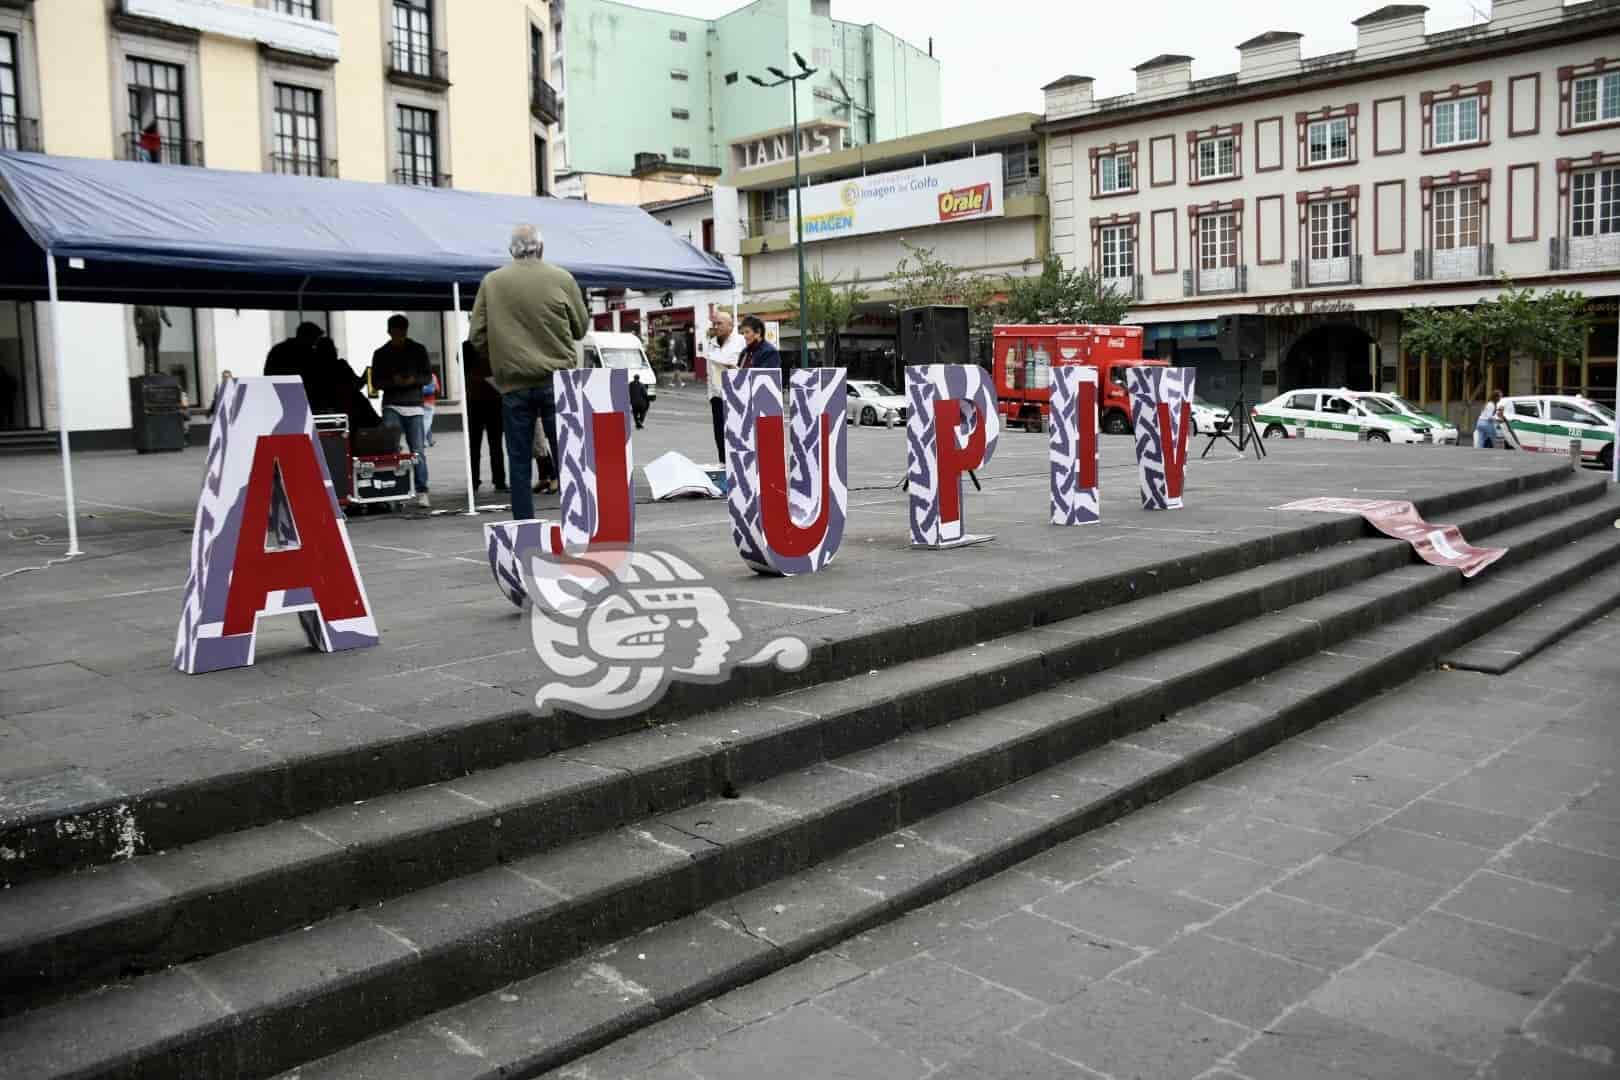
[(1439, 545)]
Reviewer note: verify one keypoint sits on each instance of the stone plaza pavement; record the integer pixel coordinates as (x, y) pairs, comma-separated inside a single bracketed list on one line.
[(1426, 888)]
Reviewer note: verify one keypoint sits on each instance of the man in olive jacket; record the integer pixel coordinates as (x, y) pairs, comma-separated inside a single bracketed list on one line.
[(527, 319)]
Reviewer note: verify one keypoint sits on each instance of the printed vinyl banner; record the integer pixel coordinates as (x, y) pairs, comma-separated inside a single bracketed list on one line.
[(1161, 417), (265, 476), (1438, 545), (927, 195)]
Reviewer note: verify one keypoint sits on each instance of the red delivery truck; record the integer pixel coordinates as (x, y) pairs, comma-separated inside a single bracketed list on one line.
[(1025, 356)]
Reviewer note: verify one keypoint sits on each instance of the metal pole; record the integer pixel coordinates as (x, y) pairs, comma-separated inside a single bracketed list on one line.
[(61, 406), (466, 402), (798, 214)]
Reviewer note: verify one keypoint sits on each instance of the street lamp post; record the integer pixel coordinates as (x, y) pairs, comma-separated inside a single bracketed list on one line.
[(792, 81)]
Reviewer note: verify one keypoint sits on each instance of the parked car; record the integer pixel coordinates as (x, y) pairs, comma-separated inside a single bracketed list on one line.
[(1546, 423), (1337, 414), (1208, 419), (873, 403), (603, 348), (1443, 430)]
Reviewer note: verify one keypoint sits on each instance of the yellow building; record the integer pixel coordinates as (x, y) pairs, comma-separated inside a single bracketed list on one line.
[(434, 92)]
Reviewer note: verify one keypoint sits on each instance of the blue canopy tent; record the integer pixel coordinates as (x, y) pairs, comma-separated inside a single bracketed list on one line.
[(131, 232)]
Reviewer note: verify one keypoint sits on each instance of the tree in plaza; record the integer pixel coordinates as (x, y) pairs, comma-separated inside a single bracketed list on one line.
[(1551, 326), (829, 308), (1060, 295), (920, 278)]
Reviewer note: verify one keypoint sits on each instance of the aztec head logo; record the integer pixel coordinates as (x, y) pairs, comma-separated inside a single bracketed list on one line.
[(615, 627)]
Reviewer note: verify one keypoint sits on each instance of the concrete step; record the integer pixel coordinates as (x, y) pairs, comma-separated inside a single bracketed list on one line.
[(1505, 648), (64, 933), (86, 830), (548, 1020), (263, 1006)]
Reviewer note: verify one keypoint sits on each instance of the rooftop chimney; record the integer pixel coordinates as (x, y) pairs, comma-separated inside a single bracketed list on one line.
[(1068, 96), (1165, 75), (1391, 29), (1523, 14), (1273, 53)]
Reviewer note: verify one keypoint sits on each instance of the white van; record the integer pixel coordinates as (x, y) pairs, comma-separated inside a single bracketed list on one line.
[(603, 348)]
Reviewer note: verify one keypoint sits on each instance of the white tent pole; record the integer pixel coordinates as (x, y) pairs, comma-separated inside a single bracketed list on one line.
[(466, 400), (61, 407)]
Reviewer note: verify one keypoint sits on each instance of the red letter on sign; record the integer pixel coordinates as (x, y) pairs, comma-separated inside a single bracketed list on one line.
[(1175, 455), (955, 460), (787, 539), (1087, 422), (319, 563)]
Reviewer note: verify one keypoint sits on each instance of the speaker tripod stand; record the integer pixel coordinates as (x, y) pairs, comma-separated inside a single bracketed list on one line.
[(1243, 422)]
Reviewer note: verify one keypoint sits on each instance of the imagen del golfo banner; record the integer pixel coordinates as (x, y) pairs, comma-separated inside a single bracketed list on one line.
[(949, 191)]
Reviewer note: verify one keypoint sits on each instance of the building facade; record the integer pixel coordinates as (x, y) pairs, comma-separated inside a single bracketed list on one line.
[(678, 86), (430, 92), (1320, 196), (973, 195)]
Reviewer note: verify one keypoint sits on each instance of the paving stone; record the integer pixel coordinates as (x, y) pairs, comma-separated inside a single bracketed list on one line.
[(1502, 795), (1301, 931), (652, 1046), (802, 1041), (1449, 741), (1074, 861), (1227, 980), (1584, 831), (1122, 1031), (1452, 1015), (1564, 778), (1604, 964), (1007, 1057), (1307, 1044), (1449, 821), (1487, 954), (985, 901), (1360, 785), (1539, 910), (928, 1008), (1445, 861), (1196, 871), (1407, 761), (1036, 956), (1124, 913), (1566, 868), (1522, 1059), (1308, 809), (783, 989), (687, 955), (910, 935), (1369, 891), (1582, 1018), (1270, 842)]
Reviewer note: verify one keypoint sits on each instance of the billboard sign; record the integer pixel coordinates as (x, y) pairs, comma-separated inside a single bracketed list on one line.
[(928, 195)]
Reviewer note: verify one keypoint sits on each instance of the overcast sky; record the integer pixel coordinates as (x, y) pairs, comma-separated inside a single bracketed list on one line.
[(995, 54)]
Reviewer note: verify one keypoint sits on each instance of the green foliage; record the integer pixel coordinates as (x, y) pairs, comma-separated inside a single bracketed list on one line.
[(829, 310), (920, 279), (1551, 326), (1061, 295)]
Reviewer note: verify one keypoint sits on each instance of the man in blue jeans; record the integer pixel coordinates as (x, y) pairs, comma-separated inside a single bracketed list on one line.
[(402, 368), (528, 316)]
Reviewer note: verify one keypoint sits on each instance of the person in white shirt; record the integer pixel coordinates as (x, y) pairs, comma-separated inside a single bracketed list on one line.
[(724, 355)]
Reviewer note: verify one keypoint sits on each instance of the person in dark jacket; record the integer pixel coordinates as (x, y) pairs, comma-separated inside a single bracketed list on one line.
[(757, 352), (483, 416), (639, 402), (402, 368), (311, 355)]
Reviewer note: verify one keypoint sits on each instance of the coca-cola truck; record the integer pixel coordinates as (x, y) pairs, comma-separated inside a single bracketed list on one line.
[(1025, 356)]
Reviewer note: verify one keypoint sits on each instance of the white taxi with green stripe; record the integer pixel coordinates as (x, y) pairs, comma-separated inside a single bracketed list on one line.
[(1548, 423), (1444, 431), (1338, 414)]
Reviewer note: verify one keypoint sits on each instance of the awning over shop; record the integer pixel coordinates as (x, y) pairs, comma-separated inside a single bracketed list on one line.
[(170, 234)]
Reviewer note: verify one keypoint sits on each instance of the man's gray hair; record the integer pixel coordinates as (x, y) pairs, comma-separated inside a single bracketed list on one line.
[(527, 243)]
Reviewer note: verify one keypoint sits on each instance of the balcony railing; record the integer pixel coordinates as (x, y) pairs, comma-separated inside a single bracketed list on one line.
[(19, 133), (1129, 286), (407, 63), (164, 151), (1315, 273), (543, 101), (1029, 186), (421, 179), (1450, 264), (1584, 252), (1223, 279), (298, 165)]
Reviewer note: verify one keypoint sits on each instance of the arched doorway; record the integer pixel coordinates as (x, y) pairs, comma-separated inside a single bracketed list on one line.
[(1335, 355)]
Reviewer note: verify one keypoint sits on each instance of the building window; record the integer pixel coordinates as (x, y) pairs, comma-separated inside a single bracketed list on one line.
[(10, 112), (418, 134), (157, 111), (1594, 208), (777, 205), (1457, 218), (413, 37), (1117, 248), (537, 52), (297, 131), (304, 9), (1456, 122), (1021, 166), (1328, 240), (1217, 242), (1328, 141), (1597, 98), (731, 77), (1217, 158), (1114, 174), (542, 171), (681, 114), (677, 35), (708, 235), (681, 153), (678, 74)]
